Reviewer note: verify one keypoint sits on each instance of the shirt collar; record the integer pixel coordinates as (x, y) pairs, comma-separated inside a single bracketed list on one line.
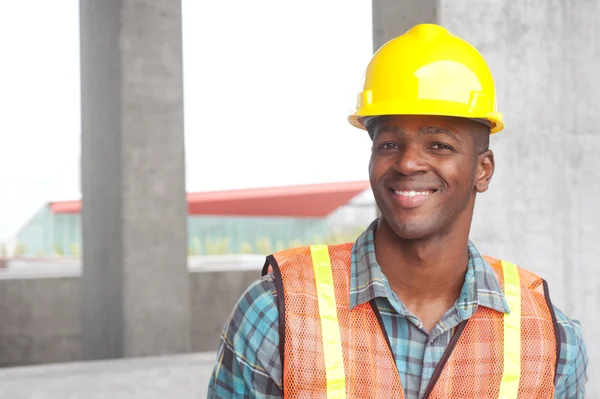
[(367, 281)]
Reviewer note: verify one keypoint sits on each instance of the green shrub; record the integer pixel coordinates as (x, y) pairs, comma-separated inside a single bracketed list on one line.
[(246, 248)]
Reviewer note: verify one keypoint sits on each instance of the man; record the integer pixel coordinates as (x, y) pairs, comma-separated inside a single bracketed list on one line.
[(411, 309)]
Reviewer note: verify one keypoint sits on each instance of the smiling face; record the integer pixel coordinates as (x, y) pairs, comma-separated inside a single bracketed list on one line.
[(425, 172)]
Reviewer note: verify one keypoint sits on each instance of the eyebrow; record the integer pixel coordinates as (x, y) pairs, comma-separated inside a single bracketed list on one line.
[(423, 131), (390, 129), (431, 130)]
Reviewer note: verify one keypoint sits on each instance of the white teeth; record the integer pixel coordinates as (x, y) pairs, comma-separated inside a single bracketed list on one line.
[(412, 193)]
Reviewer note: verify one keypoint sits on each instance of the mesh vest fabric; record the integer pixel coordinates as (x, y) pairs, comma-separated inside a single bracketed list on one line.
[(472, 367), (369, 366)]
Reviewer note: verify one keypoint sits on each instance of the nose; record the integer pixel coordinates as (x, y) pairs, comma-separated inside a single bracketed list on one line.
[(410, 161)]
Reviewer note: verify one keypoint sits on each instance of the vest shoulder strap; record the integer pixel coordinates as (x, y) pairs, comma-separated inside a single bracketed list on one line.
[(534, 289)]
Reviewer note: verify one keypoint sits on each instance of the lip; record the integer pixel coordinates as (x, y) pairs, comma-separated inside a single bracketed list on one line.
[(412, 186), (412, 200)]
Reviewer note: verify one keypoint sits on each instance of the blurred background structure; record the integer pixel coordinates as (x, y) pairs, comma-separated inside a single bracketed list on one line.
[(124, 291), (250, 221)]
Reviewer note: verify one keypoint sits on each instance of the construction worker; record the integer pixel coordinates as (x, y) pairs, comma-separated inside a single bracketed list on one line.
[(411, 309)]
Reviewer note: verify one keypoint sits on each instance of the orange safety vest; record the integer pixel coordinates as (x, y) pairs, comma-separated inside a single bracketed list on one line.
[(329, 351)]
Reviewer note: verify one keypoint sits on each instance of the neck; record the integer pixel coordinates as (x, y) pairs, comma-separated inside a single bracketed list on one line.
[(422, 270)]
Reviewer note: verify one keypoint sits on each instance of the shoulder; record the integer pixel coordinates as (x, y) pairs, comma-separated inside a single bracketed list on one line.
[(572, 365), (256, 309), (573, 359), (248, 348)]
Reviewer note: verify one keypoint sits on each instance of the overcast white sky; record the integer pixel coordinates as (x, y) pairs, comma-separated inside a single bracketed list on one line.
[(303, 60)]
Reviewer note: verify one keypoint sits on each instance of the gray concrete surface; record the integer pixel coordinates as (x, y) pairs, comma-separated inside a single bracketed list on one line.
[(541, 211), (40, 307), (180, 376), (393, 18), (135, 286)]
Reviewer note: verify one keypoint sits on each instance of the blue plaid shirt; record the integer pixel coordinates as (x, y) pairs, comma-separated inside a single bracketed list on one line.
[(248, 363)]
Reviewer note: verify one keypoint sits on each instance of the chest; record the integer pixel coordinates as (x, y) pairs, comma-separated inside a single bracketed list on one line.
[(481, 351), (416, 352)]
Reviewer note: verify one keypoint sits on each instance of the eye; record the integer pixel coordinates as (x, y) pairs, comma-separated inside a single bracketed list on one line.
[(442, 147), (388, 146)]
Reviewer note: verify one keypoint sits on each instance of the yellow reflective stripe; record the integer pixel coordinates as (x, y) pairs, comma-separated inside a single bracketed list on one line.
[(330, 327), (509, 385)]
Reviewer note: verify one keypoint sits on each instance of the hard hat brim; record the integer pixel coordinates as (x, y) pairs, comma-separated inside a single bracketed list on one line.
[(495, 119)]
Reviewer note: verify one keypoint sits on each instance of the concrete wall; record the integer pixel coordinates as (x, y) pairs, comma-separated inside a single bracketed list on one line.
[(541, 211), (40, 321), (40, 314), (181, 377)]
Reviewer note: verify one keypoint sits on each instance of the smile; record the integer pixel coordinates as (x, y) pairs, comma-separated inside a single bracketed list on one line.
[(413, 193), (411, 199)]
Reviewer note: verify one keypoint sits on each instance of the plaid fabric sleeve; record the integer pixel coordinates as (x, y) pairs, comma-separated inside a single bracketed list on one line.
[(573, 362), (248, 363)]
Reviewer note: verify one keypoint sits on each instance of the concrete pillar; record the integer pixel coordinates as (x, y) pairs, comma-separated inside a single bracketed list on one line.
[(392, 18), (135, 284), (541, 211)]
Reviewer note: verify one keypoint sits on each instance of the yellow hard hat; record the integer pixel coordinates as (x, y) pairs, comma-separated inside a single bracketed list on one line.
[(428, 71)]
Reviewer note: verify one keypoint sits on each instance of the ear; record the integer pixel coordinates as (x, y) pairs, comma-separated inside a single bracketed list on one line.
[(485, 171)]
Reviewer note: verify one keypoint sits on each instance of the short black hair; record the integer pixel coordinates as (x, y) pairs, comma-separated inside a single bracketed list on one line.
[(481, 137), (370, 124)]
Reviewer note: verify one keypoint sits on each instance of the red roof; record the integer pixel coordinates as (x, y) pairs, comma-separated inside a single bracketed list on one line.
[(315, 200)]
